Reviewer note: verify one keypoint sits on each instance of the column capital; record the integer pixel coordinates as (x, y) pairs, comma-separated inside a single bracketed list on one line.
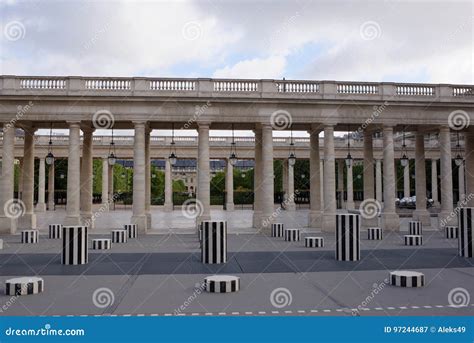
[(264, 125), (444, 128), (75, 124), (87, 128), (28, 127), (203, 124), (140, 123), (316, 128)]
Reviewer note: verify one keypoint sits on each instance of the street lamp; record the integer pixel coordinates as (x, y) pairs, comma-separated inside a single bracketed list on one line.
[(112, 158), (292, 156), (458, 159), (173, 158), (232, 157), (349, 157), (50, 156), (404, 159)]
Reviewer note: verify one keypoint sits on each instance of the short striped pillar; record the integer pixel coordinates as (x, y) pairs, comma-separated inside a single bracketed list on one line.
[(374, 233), (465, 233), (131, 230), (415, 227), (1, 244), (214, 242), (119, 236), (313, 242), (222, 284), (101, 244), (406, 278), (55, 231), (347, 237), (413, 240), (451, 232), (277, 230), (75, 245), (29, 236), (24, 286), (292, 235)]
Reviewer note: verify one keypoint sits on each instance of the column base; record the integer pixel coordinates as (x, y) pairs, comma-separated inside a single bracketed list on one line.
[(265, 226), (291, 207), (105, 206), (148, 220), (40, 207), (315, 219), (369, 222), (51, 206), (436, 204), (87, 220), (390, 221), (256, 221), (423, 216), (447, 219), (329, 222), (72, 221), (350, 205), (141, 222), (27, 221), (8, 225), (168, 207), (229, 206)]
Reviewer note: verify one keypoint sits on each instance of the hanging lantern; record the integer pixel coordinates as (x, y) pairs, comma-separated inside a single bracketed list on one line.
[(50, 157), (459, 160), (404, 159), (233, 156), (112, 158), (348, 159), (292, 155), (172, 157)]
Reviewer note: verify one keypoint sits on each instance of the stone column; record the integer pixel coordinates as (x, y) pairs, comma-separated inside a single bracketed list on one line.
[(105, 181), (340, 181), (469, 166), (229, 186), (462, 187), (20, 178), (406, 180), (290, 201), (315, 171), (321, 183), (147, 178), (368, 175), (350, 189), (390, 219), (86, 178), (267, 179), (73, 175), (204, 187), (257, 184), (110, 179), (378, 181), (28, 219), (329, 216), (168, 187), (421, 213), (445, 216), (284, 165), (41, 204), (138, 207), (8, 221), (51, 187), (434, 182)]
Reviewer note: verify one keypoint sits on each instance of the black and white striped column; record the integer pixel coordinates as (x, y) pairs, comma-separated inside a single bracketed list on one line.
[(292, 235), (466, 231), (277, 230), (101, 244), (119, 236), (347, 237), (214, 242), (222, 284), (374, 233), (451, 232), (313, 242), (75, 245), (24, 285), (29, 236), (407, 278), (55, 231), (415, 227), (413, 240), (131, 230)]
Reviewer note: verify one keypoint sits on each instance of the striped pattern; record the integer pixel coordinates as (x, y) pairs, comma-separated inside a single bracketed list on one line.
[(277, 230), (200, 232), (222, 284), (75, 245), (347, 237), (29, 236), (313, 242), (214, 242), (119, 236), (131, 230), (55, 231), (292, 235), (24, 286), (415, 227), (451, 232), (1, 244), (374, 233), (466, 234), (413, 240), (405, 278), (101, 244)]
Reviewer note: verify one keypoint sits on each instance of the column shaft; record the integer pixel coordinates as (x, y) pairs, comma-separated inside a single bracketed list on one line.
[(462, 187), (329, 216), (105, 181), (378, 181), (86, 179), (147, 178), (28, 220), (390, 219), (290, 201), (267, 194), (73, 175), (168, 186), (406, 180), (368, 177), (41, 204), (257, 211), (138, 207), (350, 189), (469, 166), (434, 182), (8, 223), (316, 182), (204, 190), (445, 217), (229, 186), (340, 182), (421, 213), (51, 187)]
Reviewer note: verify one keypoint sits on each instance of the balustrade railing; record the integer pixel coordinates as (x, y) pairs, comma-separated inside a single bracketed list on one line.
[(463, 91), (415, 90), (40, 83), (297, 87), (172, 85), (353, 88), (235, 86), (108, 84)]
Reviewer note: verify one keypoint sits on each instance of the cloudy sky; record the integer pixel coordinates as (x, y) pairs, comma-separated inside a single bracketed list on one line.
[(405, 41)]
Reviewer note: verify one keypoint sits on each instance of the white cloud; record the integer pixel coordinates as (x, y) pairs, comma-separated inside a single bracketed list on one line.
[(269, 68)]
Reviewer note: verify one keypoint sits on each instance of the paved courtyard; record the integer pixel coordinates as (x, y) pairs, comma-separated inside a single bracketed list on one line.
[(161, 274)]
